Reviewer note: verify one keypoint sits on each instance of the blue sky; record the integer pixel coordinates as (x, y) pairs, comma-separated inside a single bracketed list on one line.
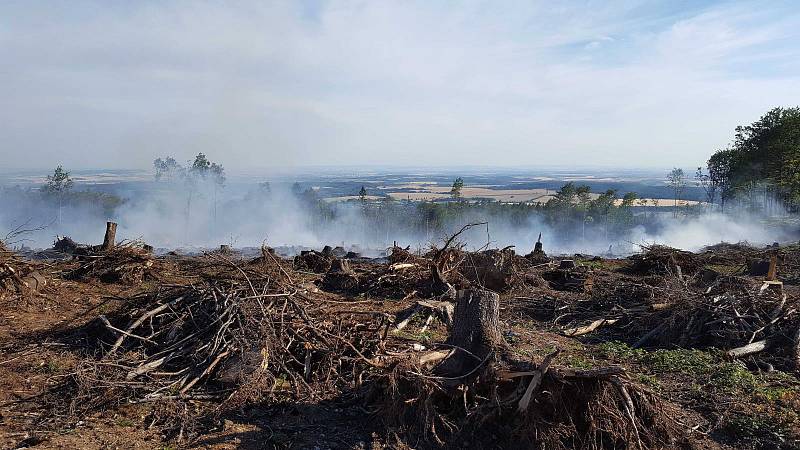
[(505, 83)]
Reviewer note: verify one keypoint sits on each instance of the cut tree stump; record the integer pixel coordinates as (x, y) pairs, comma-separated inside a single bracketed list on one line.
[(476, 329), (340, 277), (110, 237)]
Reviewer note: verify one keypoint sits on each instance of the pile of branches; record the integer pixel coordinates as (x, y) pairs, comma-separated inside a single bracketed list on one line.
[(737, 314), (65, 244), (237, 337), (663, 260), (429, 276), (472, 383), (16, 275), (731, 254), (313, 261), (616, 304), (494, 269), (126, 263)]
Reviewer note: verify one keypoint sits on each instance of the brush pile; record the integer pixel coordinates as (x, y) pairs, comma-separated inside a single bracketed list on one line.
[(471, 389), (741, 315), (237, 337), (738, 314), (16, 275), (313, 261), (127, 263), (433, 274), (663, 260)]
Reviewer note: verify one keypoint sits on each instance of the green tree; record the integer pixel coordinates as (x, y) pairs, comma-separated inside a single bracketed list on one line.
[(166, 168), (202, 170), (629, 198), (58, 185), (676, 180), (603, 205), (763, 155), (362, 194), (458, 185), (583, 194)]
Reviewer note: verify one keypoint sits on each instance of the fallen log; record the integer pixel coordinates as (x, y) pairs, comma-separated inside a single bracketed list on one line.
[(747, 350), (580, 331)]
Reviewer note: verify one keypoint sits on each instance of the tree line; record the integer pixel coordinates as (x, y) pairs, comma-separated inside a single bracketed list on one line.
[(760, 168)]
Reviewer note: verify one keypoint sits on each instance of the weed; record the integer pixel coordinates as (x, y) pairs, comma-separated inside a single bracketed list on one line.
[(620, 350)]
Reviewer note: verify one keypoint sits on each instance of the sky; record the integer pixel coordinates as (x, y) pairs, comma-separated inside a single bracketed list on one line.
[(256, 85)]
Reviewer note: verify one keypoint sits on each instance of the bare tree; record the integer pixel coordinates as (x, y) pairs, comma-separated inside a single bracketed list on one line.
[(705, 181)]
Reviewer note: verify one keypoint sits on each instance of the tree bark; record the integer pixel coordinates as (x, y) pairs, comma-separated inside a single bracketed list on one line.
[(111, 234), (476, 329)]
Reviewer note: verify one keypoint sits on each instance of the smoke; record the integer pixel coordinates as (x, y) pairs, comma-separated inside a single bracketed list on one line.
[(174, 215), (697, 232)]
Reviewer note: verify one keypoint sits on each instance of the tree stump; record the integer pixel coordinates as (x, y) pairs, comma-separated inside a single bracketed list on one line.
[(340, 277), (110, 237), (341, 266), (476, 329)]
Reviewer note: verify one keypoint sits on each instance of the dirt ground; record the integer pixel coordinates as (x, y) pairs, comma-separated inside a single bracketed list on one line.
[(668, 333)]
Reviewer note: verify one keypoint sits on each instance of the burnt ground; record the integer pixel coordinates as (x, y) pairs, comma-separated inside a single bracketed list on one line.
[(665, 319)]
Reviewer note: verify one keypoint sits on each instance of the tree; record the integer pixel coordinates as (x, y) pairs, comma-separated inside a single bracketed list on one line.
[(362, 194), (628, 199), (458, 185), (676, 180), (584, 199), (59, 184), (166, 167), (704, 180), (763, 155), (603, 204), (203, 170), (59, 181)]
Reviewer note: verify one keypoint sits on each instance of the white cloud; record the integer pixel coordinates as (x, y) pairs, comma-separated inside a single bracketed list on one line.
[(518, 83)]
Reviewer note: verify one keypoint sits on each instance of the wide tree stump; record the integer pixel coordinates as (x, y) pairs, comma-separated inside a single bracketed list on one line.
[(476, 329)]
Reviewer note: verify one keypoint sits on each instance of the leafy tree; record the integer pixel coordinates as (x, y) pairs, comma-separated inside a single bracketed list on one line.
[(583, 193), (58, 185), (362, 194), (59, 181), (705, 181), (166, 167), (458, 185), (676, 180), (763, 155), (720, 168), (629, 198), (202, 170), (603, 205)]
